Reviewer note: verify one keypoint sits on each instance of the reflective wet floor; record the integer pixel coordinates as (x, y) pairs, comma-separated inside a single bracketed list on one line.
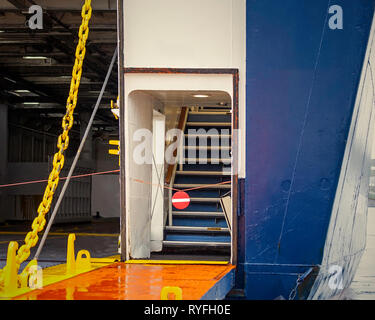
[(121, 281), (100, 237)]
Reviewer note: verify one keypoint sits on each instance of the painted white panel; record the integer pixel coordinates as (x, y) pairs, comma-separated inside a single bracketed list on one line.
[(196, 82), (178, 33), (157, 204), (138, 115), (188, 34)]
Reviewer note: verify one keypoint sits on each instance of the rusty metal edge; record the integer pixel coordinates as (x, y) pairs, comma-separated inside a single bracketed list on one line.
[(121, 91)]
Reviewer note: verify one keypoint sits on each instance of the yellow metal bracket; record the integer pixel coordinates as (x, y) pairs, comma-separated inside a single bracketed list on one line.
[(70, 255), (28, 273), (83, 264), (33, 277), (114, 107), (167, 292), (83, 261), (114, 142), (14, 282), (115, 152), (11, 269)]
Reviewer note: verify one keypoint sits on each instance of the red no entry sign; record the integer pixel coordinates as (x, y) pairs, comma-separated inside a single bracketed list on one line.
[(180, 200)]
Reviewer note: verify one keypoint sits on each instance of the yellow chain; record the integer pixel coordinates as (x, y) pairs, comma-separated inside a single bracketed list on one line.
[(39, 222)]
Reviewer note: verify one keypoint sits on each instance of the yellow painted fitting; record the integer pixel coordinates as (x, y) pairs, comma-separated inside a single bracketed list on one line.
[(166, 291), (70, 256), (114, 142), (105, 260), (27, 271), (69, 293), (11, 269), (114, 106), (176, 262), (83, 263), (119, 244), (114, 152)]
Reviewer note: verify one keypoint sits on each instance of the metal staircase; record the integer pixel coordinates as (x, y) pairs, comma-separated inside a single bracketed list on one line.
[(202, 225)]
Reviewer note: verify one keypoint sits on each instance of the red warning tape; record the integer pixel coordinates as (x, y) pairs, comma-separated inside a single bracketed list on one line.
[(207, 186), (63, 178), (112, 171)]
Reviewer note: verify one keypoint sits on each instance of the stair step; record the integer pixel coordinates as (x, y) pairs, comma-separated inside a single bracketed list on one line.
[(206, 222), (203, 186), (204, 199), (218, 107), (200, 214), (168, 243), (208, 147), (213, 112), (206, 160), (196, 229), (200, 135), (215, 109), (208, 124), (204, 173)]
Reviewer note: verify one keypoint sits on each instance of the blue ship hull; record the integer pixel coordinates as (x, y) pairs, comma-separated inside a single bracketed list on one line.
[(309, 114)]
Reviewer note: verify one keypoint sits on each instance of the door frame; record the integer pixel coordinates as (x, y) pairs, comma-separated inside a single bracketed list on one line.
[(235, 126)]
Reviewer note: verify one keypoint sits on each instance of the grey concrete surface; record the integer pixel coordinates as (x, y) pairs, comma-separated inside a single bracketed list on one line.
[(363, 285), (54, 251)]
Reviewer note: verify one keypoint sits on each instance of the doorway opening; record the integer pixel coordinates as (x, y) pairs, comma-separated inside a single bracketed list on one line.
[(180, 179)]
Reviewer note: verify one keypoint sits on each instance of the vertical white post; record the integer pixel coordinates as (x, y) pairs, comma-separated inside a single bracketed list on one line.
[(157, 203)]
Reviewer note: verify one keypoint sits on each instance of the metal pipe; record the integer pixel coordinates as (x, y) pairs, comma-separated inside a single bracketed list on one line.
[(88, 128), (121, 103)]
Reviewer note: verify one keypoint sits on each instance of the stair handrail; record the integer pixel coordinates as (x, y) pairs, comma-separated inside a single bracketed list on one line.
[(171, 171)]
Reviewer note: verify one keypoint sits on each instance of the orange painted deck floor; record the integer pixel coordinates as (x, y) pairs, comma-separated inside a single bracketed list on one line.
[(121, 281)]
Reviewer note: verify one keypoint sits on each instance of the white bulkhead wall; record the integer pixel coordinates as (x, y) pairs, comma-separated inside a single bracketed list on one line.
[(188, 34)]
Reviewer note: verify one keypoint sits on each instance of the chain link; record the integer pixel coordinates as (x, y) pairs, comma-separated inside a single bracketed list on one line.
[(39, 222)]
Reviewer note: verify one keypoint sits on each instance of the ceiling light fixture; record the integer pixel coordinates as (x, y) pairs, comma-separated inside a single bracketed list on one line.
[(200, 95), (34, 58), (55, 115), (11, 80)]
